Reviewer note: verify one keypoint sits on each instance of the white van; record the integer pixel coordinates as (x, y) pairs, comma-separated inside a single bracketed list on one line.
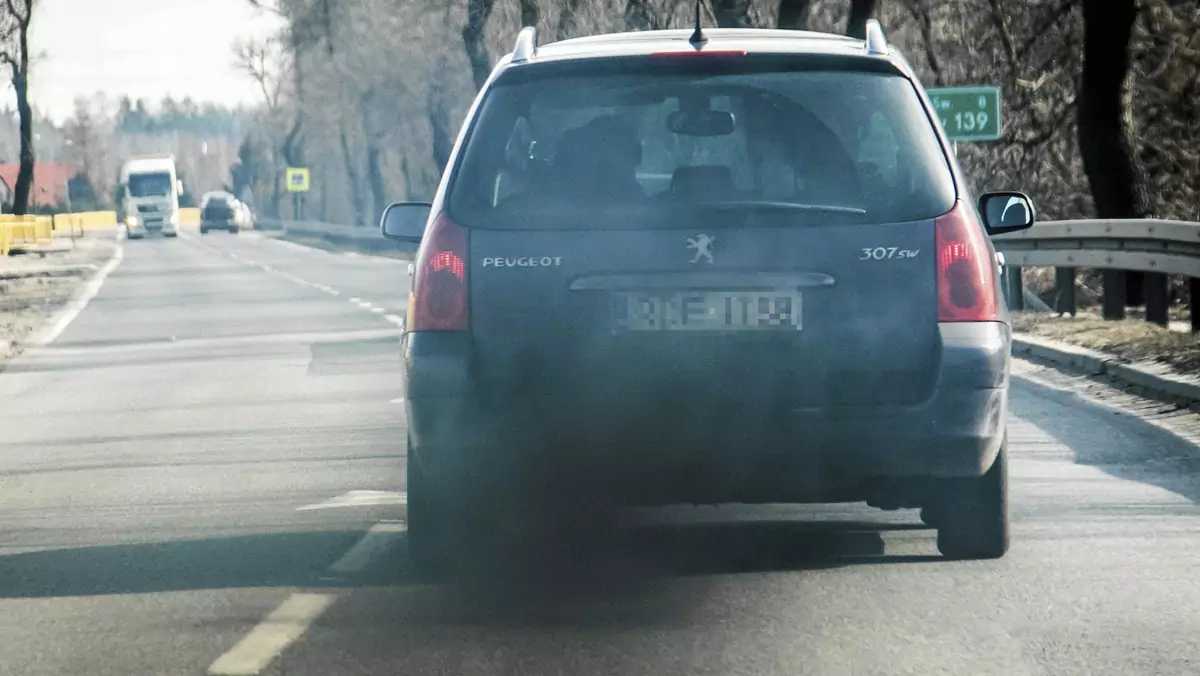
[(150, 192)]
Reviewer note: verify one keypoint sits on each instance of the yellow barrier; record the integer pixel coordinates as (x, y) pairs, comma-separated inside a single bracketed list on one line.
[(189, 216), (24, 231)]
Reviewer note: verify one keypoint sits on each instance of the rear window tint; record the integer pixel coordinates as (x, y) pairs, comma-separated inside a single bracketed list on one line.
[(621, 149)]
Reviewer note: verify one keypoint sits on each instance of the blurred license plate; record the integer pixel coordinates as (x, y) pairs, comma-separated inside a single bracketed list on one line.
[(707, 311)]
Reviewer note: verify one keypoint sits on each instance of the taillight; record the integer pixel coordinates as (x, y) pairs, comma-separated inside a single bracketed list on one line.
[(440, 282), (966, 272)]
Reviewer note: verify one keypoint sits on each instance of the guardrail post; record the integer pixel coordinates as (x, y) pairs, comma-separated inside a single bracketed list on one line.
[(1064, 286), (1014, 291), (1194, 303), (1155, 290), (1114, 294)]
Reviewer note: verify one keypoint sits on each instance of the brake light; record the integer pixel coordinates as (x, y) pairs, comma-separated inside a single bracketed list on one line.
[(966, 273), (440, 282)]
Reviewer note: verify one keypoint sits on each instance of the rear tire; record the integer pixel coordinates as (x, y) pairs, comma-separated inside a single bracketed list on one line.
[(203, 231), (170, 234), (233, 231), (931, 515), (973, 519)]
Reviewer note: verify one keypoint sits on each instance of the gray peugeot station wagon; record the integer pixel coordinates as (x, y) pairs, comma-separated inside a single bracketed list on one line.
[(709, 266)]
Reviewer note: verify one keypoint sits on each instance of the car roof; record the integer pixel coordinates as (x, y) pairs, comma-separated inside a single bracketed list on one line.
[(750, 40)]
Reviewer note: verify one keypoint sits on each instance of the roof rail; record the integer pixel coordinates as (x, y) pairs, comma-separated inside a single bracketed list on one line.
[(526, 47), (875, 43)]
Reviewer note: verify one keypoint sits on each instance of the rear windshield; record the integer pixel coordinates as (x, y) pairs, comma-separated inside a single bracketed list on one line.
[(638, 149)]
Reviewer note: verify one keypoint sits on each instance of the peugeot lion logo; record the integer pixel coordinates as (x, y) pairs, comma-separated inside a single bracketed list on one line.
[(702, 244)]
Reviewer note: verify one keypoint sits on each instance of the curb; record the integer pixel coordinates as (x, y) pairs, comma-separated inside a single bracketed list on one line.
[(1152, 377)]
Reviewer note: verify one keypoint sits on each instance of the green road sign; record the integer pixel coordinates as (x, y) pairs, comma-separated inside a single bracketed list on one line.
[(968, 113)]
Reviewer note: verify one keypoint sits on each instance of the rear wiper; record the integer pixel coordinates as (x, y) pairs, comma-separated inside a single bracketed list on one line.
[(767, 205)]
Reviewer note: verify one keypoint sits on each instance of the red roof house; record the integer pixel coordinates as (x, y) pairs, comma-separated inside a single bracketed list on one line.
[(49, 182)]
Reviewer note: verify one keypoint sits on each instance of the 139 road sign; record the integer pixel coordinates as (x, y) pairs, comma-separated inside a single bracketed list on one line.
[(968, 113)]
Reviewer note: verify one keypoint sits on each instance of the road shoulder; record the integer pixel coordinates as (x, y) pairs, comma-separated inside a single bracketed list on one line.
[(41, 295)]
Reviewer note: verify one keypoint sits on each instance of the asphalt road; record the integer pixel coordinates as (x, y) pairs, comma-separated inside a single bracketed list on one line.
[(204, 473)]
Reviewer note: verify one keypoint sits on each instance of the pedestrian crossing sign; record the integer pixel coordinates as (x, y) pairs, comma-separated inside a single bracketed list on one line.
[(297, 179)]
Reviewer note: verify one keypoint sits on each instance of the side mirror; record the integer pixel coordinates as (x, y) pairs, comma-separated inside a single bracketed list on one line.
[(405, 221), (1006, 212), (179, 188)]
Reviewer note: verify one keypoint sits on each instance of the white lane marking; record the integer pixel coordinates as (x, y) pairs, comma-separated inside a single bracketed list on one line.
[(365, 305), (359, 499), (273, 635), (287, 623), (397, 400), (378, 540), (84, 296)]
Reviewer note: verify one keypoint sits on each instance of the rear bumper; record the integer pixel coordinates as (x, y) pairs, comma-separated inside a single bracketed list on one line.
[(710, 453)]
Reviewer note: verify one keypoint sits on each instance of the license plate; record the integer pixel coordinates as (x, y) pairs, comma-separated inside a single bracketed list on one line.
[(708, 311)]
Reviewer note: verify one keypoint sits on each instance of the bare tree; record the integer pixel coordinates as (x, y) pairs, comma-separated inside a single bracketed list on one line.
[(263, 60), (732, 13), (640, 16), (15, 17), (1105, 122), (478, 12), (567, 18), (860, 11), (1104, 110), (530, 13), (793, 14)]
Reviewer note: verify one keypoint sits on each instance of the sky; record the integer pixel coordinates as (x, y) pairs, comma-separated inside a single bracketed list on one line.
[(141, 48)]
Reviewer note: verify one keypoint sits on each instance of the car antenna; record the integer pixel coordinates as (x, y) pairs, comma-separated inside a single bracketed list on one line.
[(698, 37)]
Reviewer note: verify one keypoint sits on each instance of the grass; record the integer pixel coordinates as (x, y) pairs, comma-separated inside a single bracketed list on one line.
[(1132, 339)]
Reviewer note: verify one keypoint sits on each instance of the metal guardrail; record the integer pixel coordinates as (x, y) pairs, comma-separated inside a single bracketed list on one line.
[(1155, 247)]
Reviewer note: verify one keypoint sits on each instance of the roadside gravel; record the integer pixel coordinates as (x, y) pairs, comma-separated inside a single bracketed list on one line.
[(34, 287)]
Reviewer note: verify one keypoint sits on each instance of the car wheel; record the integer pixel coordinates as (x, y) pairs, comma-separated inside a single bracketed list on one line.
[(170, 234), (203, 231), (931, 515), (233, 231), (974, 521)]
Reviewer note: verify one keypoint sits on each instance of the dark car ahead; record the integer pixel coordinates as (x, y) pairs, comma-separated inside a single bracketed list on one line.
[(220, 211), (740, 268)]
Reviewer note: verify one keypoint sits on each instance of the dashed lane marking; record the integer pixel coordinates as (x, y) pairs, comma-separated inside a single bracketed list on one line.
[(287, 623), (273, 635), (359, 499), (378, 540)]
